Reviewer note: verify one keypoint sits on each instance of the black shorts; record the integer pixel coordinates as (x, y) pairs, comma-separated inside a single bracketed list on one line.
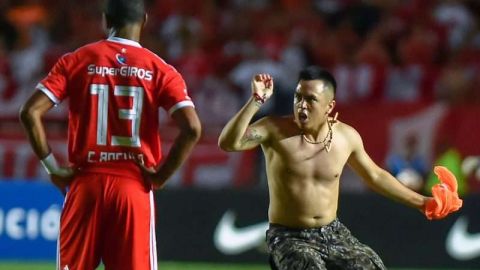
[(329, 247)]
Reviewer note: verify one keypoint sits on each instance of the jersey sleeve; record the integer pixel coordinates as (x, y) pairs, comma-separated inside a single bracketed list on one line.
[(173, 94), (54, 85)]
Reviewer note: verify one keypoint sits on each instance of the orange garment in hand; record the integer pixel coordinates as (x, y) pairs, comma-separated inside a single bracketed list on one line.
[(445, 197)]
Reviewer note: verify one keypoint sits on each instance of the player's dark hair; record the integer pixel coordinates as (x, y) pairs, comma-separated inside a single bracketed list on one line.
[(317, 73), (122, 12)]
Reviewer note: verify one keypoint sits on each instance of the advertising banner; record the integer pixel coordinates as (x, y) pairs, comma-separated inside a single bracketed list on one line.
[(29, 220), (229, 226)]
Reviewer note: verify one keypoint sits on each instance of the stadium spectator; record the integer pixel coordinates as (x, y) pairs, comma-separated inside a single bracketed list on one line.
[(8, 84), (457, 19), (27, 55), (409, 167)]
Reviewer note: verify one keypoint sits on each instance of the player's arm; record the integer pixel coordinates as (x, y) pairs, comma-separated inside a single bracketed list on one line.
[(190, 130), (31, 115), (377, 178), (238, 134)]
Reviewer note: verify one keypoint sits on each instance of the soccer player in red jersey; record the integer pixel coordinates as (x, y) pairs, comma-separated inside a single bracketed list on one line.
[(115, 88)]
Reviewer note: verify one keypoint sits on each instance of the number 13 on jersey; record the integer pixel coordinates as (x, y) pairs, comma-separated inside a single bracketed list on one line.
[(133, 114)]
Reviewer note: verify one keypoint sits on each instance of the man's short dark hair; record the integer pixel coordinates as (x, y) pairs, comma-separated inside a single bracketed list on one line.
[(317, 73), (122, 12)]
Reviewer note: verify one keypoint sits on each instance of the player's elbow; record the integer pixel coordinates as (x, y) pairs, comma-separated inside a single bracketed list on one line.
[(225, 144), (27, 114)]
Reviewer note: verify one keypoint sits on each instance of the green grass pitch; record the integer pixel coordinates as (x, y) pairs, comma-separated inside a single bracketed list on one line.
[(162, 266)]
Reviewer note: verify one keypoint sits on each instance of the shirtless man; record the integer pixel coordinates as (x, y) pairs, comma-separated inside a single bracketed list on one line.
[(305, 154)]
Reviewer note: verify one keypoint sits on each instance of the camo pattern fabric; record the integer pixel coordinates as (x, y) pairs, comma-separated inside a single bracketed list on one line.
[(329, 247)]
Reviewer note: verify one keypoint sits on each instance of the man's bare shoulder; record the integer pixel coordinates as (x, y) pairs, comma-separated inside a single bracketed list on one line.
[(344, 127), (349, 132)]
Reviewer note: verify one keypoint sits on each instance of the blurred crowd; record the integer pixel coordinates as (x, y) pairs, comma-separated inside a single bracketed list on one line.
[(380, 51)]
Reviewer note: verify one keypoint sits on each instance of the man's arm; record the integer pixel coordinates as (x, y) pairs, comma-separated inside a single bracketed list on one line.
[(379, 179), (31, 115), (190, 130), (238, 135)]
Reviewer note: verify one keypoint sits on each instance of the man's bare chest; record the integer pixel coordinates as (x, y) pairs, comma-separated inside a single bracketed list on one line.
[(309, 160)]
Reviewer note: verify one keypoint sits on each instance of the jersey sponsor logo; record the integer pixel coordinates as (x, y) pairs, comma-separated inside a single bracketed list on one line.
[(461, 244), (121, 59), (124, 71), (231, 240)]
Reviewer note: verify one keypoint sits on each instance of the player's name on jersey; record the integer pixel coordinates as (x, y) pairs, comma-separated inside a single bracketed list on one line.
[(94, 156), (124, 71)]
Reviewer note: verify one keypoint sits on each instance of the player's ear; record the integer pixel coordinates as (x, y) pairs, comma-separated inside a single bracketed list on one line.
[(145, 19), (331, 106)]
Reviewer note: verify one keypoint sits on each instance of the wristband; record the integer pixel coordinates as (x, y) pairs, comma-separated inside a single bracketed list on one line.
[(260, 100), (51, 166)]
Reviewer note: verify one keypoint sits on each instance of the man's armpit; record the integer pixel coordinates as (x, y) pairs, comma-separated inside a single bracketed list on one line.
[(251, 136)]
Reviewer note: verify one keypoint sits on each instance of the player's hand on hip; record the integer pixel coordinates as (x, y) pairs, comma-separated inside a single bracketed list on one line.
[(62, 177), (262, 87), (151, 175)]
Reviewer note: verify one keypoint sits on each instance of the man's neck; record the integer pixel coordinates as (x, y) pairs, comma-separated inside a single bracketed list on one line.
[(317, 133), (325, 140), (131, 32)]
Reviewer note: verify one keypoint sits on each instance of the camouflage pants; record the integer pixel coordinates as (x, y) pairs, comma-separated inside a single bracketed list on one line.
[(329, 247)]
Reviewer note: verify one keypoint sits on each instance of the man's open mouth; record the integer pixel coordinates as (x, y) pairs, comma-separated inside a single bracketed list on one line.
[(302, 117)]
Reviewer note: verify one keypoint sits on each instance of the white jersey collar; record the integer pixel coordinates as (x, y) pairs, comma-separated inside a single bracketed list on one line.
[(124, 41)]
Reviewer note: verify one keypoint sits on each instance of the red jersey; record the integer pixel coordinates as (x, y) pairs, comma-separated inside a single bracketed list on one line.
[(115, 88)]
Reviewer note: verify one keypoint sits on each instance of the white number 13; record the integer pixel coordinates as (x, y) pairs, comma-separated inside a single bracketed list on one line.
[(133, 114)]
